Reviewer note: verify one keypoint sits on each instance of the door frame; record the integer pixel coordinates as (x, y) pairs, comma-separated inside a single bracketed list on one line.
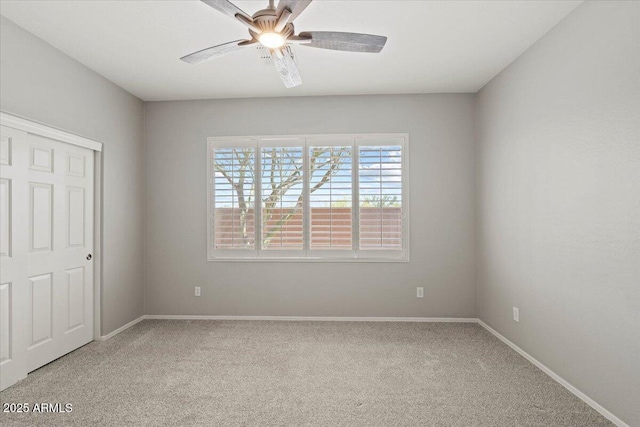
[(37, 128)]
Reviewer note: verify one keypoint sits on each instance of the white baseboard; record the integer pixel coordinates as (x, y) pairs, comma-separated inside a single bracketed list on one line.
[(122, 328), (290, 319), (586, 399), (317, 318)]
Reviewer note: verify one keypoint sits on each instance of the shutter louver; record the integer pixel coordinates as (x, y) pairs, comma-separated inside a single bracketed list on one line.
[(330, 197), (234, 198), (282, 198), (380, 197)]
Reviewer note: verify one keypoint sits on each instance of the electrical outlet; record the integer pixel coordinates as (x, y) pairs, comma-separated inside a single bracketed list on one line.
[(197, 291), (516, 314), (420, 292)]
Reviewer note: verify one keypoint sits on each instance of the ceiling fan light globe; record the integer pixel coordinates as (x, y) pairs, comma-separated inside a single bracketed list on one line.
[(271, 40)]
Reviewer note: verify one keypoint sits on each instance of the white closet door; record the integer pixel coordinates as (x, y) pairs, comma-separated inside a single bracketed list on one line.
[(46, 286), (60, 246), (13, 256)]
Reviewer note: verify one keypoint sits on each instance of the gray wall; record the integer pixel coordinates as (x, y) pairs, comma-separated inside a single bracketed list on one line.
[(559, 203), (442, 211), (41, 83)]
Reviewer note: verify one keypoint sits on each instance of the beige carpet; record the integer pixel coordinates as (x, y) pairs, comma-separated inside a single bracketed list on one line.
[(252, 373)]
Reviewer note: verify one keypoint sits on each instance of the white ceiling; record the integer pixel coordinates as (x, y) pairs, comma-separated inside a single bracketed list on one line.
[(433, 46)]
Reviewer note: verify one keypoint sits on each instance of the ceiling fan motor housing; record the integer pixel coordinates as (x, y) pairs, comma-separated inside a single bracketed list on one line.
[(266, 20)]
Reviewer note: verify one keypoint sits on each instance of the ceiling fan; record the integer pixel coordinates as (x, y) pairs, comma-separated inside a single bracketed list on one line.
[(273, 28)]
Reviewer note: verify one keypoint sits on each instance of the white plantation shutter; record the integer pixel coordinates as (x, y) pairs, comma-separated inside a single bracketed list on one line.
[(380, 197), (234, 198), (282, 197), (339, 197), (330, 197)]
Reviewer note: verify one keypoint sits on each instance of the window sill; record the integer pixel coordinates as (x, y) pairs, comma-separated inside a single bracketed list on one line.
[(403, 259)]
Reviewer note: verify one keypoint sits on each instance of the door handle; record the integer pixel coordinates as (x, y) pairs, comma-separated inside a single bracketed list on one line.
[(89, 257)]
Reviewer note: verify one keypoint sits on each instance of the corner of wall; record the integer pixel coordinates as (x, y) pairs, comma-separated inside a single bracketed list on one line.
[(144, 208), (476, 240)]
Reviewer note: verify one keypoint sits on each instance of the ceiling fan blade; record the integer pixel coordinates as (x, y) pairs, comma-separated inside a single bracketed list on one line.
[(226, 7), (233, 11), (287, 69), (216, 51), (298, 39), (295, 6), (350, 42)]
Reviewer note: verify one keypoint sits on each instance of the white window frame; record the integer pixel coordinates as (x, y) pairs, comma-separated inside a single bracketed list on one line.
[(306, 254)]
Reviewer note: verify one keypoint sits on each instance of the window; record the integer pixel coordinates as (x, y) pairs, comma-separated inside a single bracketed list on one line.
[(340, 198)]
